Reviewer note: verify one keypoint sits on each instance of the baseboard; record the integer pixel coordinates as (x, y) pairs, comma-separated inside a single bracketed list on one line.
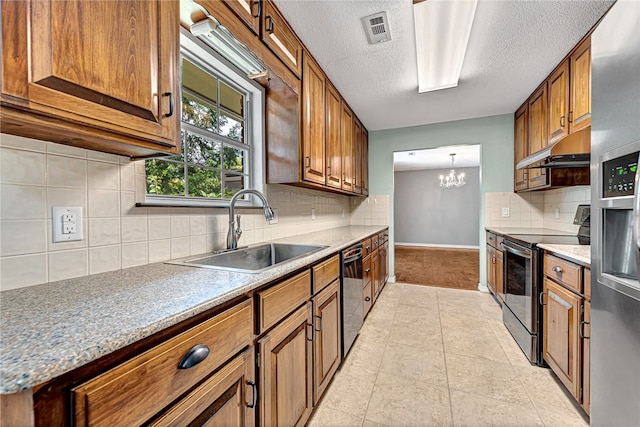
[(483, 288), (430, 245), (392, 279)]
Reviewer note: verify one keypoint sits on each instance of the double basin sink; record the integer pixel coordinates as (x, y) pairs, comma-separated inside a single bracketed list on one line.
[(254, 259)]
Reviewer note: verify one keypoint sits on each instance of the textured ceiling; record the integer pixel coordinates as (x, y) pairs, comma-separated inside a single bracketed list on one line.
[(466, 156), (514, 45)]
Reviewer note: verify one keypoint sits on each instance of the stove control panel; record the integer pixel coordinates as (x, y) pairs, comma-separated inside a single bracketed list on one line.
[(619, 175)]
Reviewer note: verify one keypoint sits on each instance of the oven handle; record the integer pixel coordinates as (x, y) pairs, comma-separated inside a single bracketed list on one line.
[(507, 245)]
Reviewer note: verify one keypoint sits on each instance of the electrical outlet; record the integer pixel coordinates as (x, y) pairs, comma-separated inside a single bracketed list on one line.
[(67, 224), (556, 213), (342, 213), (505, 213), (313, 213)]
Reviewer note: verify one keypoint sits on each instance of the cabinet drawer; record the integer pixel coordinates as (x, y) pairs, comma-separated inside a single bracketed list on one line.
[(279, 300), (367, 246), (134, 391), (366, 270), (367, 298), (587, 284), (564, 272), (281, 39), (325, 273)]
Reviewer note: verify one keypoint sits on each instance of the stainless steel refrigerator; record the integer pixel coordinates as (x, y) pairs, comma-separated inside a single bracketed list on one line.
[(615, 210)]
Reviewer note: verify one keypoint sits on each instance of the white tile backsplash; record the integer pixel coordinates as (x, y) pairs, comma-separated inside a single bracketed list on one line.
[(37, 176)]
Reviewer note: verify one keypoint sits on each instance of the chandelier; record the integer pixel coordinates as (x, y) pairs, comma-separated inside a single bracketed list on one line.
[(452, 180)]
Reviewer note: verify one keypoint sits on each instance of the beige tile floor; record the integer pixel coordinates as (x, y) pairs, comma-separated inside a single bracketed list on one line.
[(433, 356)]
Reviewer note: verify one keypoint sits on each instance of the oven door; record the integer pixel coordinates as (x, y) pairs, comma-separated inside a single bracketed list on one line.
[(519, 284)]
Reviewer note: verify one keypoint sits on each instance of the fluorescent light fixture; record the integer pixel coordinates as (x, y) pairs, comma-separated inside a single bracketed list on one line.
[(442, 34), (219, 38)]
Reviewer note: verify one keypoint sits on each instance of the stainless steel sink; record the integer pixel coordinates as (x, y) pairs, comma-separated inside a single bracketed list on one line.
[(255, 259)]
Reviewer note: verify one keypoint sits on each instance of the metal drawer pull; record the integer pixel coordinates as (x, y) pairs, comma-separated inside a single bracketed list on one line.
[(270, 26), (581, 329), (561, 121), (320, 322), (368, 270), (257, 15), (254, 399), (368, 247), (367, 299), (194, 356), (557, 269), (540, 298), (312, 332)]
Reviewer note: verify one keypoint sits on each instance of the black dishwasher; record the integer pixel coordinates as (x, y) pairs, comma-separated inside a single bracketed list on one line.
[(352, 303)]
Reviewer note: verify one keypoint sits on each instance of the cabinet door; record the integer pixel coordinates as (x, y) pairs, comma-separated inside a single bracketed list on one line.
[(375, 273), (384, 263), (365, 162), (333, 142), (286, 371), (561, 341), (580, 113), (248, 11), (367, 298), (357, 156), (558, 84), (280, 38), (537, 136), (346, 137), (499, 275), (326, 351), (313, 125), (491, 269), (228, 398), (521, 148), (108, 66), (586, 358)]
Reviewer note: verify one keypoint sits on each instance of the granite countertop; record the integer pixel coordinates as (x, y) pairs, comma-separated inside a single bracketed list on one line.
[(53, 328), (578, 253)]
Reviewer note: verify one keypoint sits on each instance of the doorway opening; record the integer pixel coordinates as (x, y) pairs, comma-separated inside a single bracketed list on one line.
[(436, 216)]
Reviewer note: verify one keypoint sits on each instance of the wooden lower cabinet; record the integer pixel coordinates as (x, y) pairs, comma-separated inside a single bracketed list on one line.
[(499, 275), (228, 398), (561, 340), (376, 280), (585, 331), (286, 371), (491, 269), (327, 337)]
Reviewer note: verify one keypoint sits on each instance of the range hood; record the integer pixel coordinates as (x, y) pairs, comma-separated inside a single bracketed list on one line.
[(573, 151)]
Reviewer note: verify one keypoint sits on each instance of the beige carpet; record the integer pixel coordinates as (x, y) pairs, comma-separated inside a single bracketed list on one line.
[(442, 267)]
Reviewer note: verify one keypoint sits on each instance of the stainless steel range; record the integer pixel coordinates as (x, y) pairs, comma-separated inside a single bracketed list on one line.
[(522, 312)]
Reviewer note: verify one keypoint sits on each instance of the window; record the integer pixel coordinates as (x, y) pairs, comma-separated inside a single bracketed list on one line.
[(221, 134)]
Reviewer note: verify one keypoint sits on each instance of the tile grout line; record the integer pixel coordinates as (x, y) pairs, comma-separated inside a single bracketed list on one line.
[(444, 355)]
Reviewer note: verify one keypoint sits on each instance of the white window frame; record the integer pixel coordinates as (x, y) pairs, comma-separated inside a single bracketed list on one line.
[(203, 56)]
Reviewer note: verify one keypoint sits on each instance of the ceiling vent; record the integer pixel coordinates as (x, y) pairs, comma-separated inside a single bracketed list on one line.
[(377, 28)]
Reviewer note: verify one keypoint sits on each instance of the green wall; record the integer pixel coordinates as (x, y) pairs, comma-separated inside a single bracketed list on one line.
[(494, 134)]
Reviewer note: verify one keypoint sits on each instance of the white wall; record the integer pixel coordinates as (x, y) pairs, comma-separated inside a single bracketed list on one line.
[(37, 175), (426, 214)]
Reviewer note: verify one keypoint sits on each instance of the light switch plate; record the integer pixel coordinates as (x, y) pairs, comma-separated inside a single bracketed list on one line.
[(505, 213), (67, 224)]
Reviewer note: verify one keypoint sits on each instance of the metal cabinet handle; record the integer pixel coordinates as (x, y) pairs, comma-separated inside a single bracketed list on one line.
[(557, 269), (194, 356), (367, 247), (312, 331), (270, 26), (581, 330), (308, 159), (254, 398), (329, 170), (320, 322), (541, 298), (170, 95), (368, 270), (562, 123), (257, 15), (367, 299), (570, 116)]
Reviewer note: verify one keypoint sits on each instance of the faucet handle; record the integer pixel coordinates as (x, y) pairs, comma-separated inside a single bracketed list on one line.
[(238, 230)]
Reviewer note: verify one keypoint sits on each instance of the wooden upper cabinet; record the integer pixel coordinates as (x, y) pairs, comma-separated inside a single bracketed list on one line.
[(580, 113), (558, 86), (280, 38), (106, 71), (346, 138), (333, 141), (313, 122), (357, 156), (365, 162), (537, 134), (521, 148), (248, 11)]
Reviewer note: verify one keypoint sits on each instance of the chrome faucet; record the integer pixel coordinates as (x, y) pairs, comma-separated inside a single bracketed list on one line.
[(234, 234)]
